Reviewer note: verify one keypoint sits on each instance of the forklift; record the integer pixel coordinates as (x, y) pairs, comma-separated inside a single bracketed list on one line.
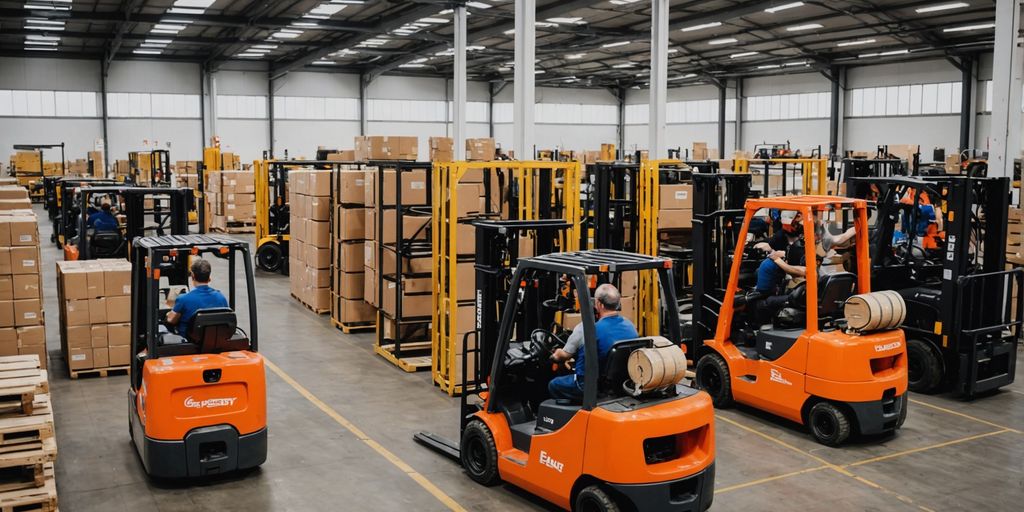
[(806, 364), (157, 162), (55, 189), (961, 332), (24, 176), (647, 450), (197, 402), (273, 215), (167, 216)]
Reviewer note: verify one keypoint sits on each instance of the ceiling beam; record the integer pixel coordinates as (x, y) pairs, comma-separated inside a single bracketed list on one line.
[(128, 8)]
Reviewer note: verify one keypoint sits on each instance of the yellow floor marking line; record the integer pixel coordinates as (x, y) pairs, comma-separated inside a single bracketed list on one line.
[(769, 479), (377, 447), (925, 448), (962, 415)]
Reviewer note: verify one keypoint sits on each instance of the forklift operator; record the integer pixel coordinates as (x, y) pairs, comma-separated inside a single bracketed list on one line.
[(610, 328), (103, 220), (202, 296)]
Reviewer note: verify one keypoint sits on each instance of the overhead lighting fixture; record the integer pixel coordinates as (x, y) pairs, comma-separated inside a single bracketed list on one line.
[(773, 10), (39, 21), (808, 26), (504, 69), (683, 77), (475, 48), (168, 26), (883, 54), (315, 17), (769, 66), (327, 9), (575, 56), (249, 55), (41, 43), (153, 45), (478, 5), (509, 32), (47, 7), (41, 48), (287, 34), (433, 20), (673, 50), (941, 7), (266, 46), (613, 45), (412, 65), (45, 28), (742, 54), (567, 21), (257, 50), (797, 63), (624, 65), (184, 10), (724, 40), (201, 4), (42, 38), (349, 2), (539, 72), (544, 24), (703, 26), (147, 52), (970, 27), (323, 62), (856, 43), (163, 32), (169, 20)]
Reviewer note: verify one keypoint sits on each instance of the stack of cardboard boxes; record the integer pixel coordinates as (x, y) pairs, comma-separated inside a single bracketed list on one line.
[(122, 168), (309, 248), (343, 155), (348, 307), (21, 308), (442, 149), (13, 197), (186, 173), (676, 206), (95, 313), (231, 199), (386, 148), (230, 161), (480, 150)]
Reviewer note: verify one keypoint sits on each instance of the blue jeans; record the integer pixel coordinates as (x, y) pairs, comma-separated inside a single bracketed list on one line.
[(565, 388)]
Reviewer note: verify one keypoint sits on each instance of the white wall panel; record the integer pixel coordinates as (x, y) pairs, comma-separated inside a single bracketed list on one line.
[(152, 76), (301, 138), (928, 132), (804, 134), (49, 74), (180, 136), (683, 136), (248, 138), (78, 135)]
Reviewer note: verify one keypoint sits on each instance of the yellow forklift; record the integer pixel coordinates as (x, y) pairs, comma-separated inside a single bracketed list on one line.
[(273, 216)]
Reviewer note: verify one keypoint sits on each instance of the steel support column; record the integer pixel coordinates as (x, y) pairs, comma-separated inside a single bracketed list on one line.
[(202, 108), (620, 95), (525, 61), (1007, 67), (967, 102), (657, 145), (212, 88), (721, 120), (459, 84), (103, 108), (835, 116), (490, 108), (270, 112), (738, 125), (363, 82)]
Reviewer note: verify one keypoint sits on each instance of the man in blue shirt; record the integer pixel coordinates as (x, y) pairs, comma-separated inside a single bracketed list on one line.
[(610, 328), (103, 220), (202, 296)]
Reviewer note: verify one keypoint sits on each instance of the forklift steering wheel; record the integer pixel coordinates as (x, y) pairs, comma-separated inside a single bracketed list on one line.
[(543, 343)]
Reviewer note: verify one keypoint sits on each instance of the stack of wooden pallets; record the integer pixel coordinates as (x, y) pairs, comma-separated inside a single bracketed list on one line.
[(28, 447)]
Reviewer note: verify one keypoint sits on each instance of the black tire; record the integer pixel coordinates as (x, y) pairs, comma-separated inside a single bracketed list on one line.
[(828, 423), (903, 411), (924, 371), (713, 376), (479, 454), (594, 499), (269, 257)]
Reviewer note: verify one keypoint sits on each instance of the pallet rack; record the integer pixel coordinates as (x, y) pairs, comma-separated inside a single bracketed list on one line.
[(336, 300)]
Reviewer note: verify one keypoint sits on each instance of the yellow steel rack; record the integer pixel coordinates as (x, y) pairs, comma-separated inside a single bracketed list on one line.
[(565, 178), (814, 171)]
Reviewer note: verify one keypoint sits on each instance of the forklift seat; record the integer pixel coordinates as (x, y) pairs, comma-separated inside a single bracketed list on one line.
[(616, 371), (106, 244), (833, 290), (214, 329)]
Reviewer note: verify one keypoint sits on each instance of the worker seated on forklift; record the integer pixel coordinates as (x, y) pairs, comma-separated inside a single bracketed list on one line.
[(610, 328), (202, 296), (928, 228), (772, 291), (103, 221)]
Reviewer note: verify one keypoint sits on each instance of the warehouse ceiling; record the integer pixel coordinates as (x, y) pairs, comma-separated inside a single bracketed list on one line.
[(579, 43)]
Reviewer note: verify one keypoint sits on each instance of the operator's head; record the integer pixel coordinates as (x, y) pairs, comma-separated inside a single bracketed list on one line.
[(105, 207), (607, 300), (791, 222), (201, 271)]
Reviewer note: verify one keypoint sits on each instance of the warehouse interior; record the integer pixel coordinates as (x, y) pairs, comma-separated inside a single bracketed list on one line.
[(412, 206)]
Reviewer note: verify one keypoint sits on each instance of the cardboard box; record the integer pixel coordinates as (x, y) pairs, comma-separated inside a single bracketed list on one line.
[(371, 148), (26, 286), (343, 155), (465, 281), (676, 197), (100, 358), (98, 336), (351, 224), (414, 187), (80, 359), (370, 286), (413, 226), (317, 257), (78, 336), (8, 341), (119, 334), (442, 149), (5, 261), (480, 149), (19, 230), (351, 187), (412, 305), (468, 198), (700, 151), (6, 287), (318, 208), (350, 257), (349, 285), (31, 335), (28, 312), (318, 234), (36, 350), (98, 311), (419, 265), (24, 260), (15, 204), (355, 311), (675, 219), (465, 239), (117, 278), (76, 312), (120, 355), (119, 309)]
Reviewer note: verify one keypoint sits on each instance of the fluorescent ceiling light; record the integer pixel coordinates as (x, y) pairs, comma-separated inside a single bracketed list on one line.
[(673, 50), (478, 5), (327, 9), (856, 43), (44, 7), (941, 7), (724, 40), (147, 52), (509, 32), (683, 77), (475, 48), (38, 21), (808, 26), (883, 54), (249, 55), (575, 19), (34, 27), (769, 66), (970, 27), (266, 46), (742, 54), (797, 63), (169, 20), (703, 26), (624, 2), (539, 72), (504, 69), (257, 50), (41, 48), (286, 34), (624, 65), (323, 62), (304, 24), (35, 37), (613, 45), (158, 41), (184, 10), (202, 4), (575, 56), (41, 43), (544, 24), (411, 65), (433, 20), (420, 60), (165, 26), (164, 32), (350, 2), (153, 45), (315, 17), (783, 7)]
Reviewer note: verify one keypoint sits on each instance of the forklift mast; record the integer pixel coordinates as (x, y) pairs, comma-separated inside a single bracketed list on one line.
[(173, 221)]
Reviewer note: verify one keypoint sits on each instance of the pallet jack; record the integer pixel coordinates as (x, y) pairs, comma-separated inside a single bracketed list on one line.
[(197, 403), (962, 325), (171, 219), (809, 370), (659, 459)]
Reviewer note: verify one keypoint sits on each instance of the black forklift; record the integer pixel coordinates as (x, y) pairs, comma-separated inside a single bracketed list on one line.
[(941, 243), (167, 214), (159, 168), (55, 189)]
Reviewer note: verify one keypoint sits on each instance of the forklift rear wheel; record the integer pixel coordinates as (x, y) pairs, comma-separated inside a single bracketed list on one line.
[(594, 499), (713, 377), (479, 453), (924, 371), (269, 257), (829, 424), (903, 412)]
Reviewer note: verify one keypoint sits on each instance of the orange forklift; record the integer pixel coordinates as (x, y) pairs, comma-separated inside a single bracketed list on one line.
[(197, 403), (618, 449), (806, 364)]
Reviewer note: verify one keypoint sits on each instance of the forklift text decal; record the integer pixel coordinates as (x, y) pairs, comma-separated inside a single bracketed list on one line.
[(776, 376), (210, 403), (549, 462), (887, 346)]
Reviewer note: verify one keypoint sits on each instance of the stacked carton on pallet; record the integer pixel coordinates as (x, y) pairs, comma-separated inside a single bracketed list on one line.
[(21, 311), (309, 248), (29, 444), (95, 314), (13, 197), (386, 148), (231, 196), (349, 310)]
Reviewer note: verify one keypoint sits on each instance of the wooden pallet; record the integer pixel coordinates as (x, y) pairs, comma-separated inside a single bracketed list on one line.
[(350, 328), (18, 430), (32, 499), (236, 228), (100, 372), (415, 355), (311, 308), (20, 383)]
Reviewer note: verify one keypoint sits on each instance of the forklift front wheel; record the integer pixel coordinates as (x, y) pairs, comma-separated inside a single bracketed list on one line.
[(829, 424), (713, 377), (479, 454), (594, 499), (924, 371), (269, 257)]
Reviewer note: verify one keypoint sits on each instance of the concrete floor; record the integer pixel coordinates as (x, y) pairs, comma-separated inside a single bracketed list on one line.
[(325, 387)]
